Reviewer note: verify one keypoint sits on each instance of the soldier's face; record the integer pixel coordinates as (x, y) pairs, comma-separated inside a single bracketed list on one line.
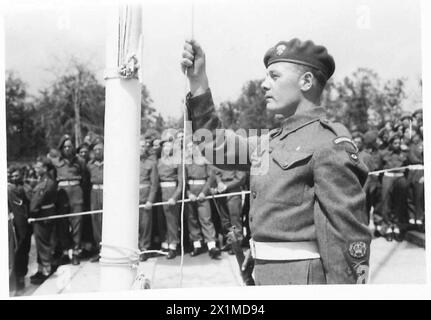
[(98, 152), (83, 153), (396, 144), (15, 177), (40, 169), (418, 117), (68, 148), (406, 123), (359, 143), (282, 88)]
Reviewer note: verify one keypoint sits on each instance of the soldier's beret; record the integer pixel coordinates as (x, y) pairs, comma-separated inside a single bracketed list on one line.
[(370, 137), (417, 111), (357, 134), (63, 139), (98, 144), (83, 145), (406, 115), (301, 52)]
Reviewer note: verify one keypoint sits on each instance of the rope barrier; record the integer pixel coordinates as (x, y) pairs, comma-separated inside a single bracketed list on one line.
[(410, 167), (62, 216), (76, 214)]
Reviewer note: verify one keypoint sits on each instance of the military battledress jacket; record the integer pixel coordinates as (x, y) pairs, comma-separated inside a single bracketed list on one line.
[(306, 184)]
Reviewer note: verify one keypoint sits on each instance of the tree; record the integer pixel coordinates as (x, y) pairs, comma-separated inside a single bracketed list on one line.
[(74, 103), (24, 138), (249, 110), (360, 97)]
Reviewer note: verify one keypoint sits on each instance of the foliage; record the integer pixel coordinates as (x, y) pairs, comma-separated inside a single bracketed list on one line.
[(360, 98), (248, 111), (74, 103), (23, 136)]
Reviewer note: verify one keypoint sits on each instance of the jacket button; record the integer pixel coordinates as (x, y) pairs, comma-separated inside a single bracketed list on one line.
[(254, 194)]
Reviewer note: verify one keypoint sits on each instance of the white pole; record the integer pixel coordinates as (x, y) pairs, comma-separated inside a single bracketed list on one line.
[(121, 158)]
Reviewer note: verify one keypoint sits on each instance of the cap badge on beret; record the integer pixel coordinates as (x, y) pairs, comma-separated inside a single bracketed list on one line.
[(280, 49), (303, 53)]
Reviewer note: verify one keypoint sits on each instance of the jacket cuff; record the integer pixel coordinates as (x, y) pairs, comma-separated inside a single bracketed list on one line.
[(200, 105)]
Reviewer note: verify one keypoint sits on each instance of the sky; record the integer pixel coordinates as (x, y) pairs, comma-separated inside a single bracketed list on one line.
[(383, 35)]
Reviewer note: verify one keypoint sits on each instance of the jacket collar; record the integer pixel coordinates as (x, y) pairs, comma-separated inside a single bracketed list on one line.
[(300, 120)]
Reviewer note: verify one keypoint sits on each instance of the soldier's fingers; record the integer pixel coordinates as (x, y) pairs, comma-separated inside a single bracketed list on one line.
[(186, 63), (188, 47), (188, 55), (196, 47)]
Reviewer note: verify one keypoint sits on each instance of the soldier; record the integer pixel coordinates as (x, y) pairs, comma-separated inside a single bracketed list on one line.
[(18, 206), (230, 207), (88, 242), (394, 189), (83, 152), (170, 177), (158, 216), (384, 141), (406, 119), (307, 212), (418, 117), (70, 171), (42, 205), (148, 185), (371, 157), (415, 179), (11, 249), (199, 178), (95, 169)]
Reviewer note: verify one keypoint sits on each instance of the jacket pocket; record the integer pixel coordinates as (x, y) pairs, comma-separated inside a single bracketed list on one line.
[(293, 175), (289, 160)]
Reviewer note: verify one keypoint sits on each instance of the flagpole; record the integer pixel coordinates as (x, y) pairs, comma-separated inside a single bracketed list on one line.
[(121, 158)]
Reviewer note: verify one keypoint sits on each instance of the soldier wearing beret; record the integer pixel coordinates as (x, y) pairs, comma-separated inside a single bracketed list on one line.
[(18, 206), (415, 179), (170, 178), (148, 186), (70, 169), (406, 119), (371, 157), (84, 151), (229, 181), (42, 204), (95, 169), (418, 117), (199, 177), (307, 212), (394, 189)]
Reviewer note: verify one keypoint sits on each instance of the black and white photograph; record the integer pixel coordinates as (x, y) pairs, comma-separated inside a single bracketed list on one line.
[(201, 144)]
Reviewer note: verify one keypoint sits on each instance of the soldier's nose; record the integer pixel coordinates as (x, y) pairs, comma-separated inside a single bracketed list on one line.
[(265, 85)]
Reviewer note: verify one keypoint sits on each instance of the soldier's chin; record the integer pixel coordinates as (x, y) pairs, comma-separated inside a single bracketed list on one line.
[(271, 105)]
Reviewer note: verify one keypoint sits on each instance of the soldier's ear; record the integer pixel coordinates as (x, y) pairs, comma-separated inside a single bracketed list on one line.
[(306, 81)]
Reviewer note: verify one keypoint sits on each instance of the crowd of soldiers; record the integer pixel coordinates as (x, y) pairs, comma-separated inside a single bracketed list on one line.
[(395, 196), (71, 181)]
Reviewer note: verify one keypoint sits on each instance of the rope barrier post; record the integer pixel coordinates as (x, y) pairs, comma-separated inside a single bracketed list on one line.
[(121, 158)]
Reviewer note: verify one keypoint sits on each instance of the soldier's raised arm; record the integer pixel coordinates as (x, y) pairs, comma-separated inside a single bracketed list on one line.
[(201, 112)]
